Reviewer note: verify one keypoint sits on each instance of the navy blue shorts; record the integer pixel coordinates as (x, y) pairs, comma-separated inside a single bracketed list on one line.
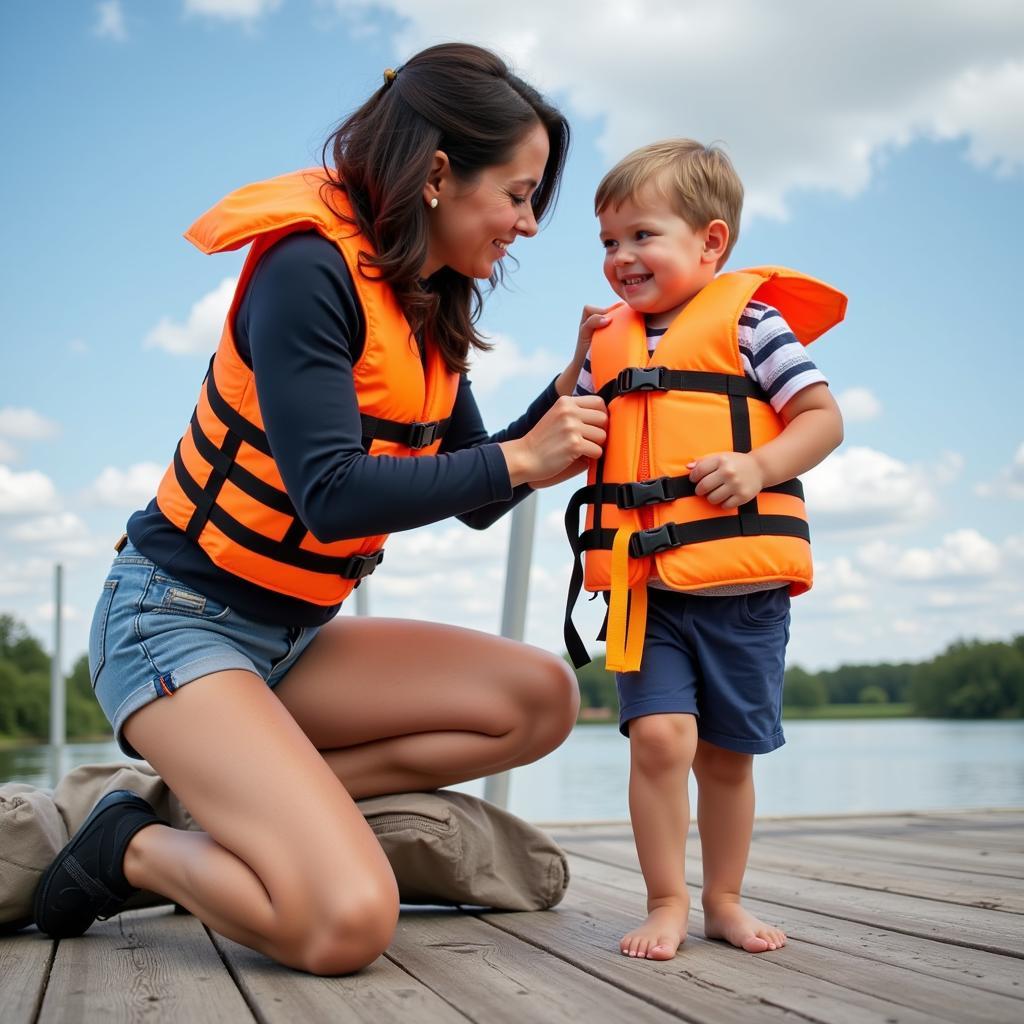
[(719, 658)]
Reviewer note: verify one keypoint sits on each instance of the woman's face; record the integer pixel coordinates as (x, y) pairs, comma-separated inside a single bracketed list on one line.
[(473, 224)]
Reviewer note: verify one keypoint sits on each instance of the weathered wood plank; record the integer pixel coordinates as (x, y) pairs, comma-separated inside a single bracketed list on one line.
[(24, 965), (147, 965), (922, 852), (587, 938), (382, 993), (496, 978), (798, 858), (931, 977), (982, 929), (708, 979)]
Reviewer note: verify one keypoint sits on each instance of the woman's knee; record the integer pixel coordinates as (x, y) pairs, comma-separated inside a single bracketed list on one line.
[(662, 743), (548, 699), (346, 932)]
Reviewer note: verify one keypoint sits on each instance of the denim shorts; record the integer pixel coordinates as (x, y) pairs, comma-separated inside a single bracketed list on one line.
[(151, 634), (719, 658)]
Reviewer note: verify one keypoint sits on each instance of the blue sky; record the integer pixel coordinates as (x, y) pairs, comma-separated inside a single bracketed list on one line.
[(882, 151)]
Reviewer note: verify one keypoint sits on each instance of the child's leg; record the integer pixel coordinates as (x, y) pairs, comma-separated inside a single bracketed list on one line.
[(725, 819), (661, 751)]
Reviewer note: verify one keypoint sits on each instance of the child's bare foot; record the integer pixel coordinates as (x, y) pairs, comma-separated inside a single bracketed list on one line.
[(729, 921), (660, 935)]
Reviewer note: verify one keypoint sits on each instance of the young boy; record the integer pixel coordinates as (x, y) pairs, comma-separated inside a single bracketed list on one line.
[(710, 419)]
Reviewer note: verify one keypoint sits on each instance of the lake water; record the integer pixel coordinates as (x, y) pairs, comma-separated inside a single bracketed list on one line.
[(837, 767)]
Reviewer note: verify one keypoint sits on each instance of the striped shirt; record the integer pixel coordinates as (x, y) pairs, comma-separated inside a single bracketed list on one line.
[(769, 352)]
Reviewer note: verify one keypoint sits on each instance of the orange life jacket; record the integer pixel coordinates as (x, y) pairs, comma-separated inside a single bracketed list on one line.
[(688, 398), (223, 488)]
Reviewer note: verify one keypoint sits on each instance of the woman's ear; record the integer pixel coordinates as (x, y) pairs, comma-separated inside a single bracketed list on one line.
[(716, 241), (438, 178)]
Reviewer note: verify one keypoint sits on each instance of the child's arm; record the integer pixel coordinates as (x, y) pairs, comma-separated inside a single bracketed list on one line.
[(814, 427)]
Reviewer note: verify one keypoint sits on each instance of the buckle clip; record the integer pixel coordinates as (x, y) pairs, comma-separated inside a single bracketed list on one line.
[(640, 378), (421, 435), (651, 542), (642, 492), (363, 565)]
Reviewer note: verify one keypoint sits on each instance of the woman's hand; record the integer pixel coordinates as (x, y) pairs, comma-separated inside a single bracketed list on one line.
[(572, 429), (593, 317)]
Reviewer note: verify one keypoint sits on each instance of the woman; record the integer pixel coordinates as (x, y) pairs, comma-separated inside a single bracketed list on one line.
[(336, 410)]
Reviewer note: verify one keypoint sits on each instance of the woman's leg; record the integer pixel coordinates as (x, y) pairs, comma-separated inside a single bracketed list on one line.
[(288, 865), (395, 705)]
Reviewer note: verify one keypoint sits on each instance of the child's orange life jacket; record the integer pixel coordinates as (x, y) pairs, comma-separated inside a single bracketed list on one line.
[(223, 488), (688, 398)]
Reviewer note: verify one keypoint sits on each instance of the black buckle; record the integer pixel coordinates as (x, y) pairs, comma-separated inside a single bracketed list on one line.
[(640, 378), (642, 492), (650, 542), (423, 434), (363, 565)]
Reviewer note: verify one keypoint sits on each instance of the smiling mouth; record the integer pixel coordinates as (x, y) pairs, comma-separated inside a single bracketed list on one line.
[(635, 279), (503, 246)]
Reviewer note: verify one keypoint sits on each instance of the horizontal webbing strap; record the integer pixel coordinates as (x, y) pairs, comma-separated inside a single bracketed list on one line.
[(644, 543), (660, 489), (412, 435), (350, 567), (661, 378), (245, 481), (248, 431)]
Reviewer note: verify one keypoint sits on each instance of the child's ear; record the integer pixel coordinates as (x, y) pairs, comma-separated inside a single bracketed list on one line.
[(716, 241)]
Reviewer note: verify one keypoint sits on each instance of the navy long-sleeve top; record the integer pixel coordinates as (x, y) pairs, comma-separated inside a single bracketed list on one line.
[(300, 327)]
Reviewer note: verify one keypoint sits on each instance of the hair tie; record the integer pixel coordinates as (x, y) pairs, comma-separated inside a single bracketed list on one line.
[(390, 74)]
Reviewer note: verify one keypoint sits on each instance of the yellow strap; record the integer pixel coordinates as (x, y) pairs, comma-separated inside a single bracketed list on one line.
[(627, 611)]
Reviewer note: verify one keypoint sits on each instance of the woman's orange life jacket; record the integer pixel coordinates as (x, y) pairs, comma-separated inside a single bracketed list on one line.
[(223, 488), (688, 398)]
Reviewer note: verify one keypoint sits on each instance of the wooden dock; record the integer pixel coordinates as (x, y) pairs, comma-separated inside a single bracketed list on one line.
[(896, 919)]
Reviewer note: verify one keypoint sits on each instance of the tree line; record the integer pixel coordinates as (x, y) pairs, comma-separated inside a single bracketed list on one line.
[(970, 679), (25, 690)]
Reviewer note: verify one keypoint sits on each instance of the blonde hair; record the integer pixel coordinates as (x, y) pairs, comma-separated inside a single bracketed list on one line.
[(699, 181)]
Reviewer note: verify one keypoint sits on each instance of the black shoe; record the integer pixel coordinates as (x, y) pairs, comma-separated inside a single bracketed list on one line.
[(86, 880)]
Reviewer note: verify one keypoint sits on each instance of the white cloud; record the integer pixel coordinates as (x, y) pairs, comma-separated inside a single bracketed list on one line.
[(120, 488), (859, 405), (44, 528), (69, 613), (698, 70), (26, 493), (202, 329), (1009, 482), (8, 453), (860, 488), (231, 10), (491, 371), (110, 21), (26, 424), (962, 555)]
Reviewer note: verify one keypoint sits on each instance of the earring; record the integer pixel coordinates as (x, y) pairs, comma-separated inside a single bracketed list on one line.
[(433, 203)]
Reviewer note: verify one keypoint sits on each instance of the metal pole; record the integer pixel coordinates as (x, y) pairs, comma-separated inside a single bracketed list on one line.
[(513, 613), (58, 729), (363, 598)]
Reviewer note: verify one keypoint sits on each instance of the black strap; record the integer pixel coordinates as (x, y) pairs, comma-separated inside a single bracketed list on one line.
[(660, 489), (412, 435), (251, 434), (644, 543), (659, 378), (351, 567)]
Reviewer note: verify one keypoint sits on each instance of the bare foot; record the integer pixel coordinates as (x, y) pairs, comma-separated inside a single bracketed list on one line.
[(660, 935), (729, 921)]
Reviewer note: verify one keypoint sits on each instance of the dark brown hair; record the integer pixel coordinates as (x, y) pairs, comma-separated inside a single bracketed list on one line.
[(462, 100)]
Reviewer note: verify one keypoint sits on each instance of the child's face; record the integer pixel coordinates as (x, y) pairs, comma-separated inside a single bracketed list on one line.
[(653, 259)]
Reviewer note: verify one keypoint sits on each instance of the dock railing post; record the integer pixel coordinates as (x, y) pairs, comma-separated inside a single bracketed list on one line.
[(513, 613), (58, 726)]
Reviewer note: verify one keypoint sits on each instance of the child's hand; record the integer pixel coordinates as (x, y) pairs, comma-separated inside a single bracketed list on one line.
[(593, 317), (729, 479)]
